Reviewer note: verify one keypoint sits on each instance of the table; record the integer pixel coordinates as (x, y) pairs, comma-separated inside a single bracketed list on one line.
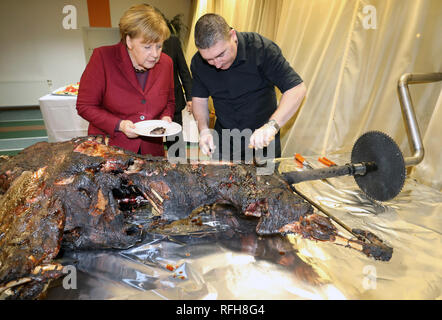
[(61, 118)]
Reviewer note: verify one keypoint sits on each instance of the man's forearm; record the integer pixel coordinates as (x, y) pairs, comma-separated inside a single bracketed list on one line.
[(200, 110), (289, 104)]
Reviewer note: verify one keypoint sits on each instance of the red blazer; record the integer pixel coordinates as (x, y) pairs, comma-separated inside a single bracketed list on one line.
[(109, 92)]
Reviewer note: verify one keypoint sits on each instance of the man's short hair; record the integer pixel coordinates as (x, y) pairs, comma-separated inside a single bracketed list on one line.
[(210, 29)]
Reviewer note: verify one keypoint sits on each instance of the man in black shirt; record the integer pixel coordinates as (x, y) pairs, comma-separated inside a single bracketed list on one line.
[(239, 71)]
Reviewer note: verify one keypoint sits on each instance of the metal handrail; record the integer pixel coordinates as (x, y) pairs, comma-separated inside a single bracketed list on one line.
[(417, 147)]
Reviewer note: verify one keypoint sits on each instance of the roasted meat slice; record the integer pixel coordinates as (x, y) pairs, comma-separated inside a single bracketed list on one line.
[(158, 131)]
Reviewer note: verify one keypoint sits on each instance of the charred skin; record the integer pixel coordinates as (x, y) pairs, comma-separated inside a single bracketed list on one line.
[(34, 285), (102, 188), (31, 229), (92, 196), (375, 247)]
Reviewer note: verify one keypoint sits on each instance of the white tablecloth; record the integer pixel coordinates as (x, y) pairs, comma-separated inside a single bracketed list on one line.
[(61, 118)]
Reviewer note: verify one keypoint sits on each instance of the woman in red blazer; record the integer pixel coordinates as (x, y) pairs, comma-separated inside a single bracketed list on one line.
[(129, 82)]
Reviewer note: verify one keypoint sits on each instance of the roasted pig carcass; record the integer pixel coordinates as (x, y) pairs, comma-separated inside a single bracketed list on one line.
[(83, 194)]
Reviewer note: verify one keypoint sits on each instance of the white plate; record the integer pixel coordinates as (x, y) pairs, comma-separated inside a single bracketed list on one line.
[(143, 128)]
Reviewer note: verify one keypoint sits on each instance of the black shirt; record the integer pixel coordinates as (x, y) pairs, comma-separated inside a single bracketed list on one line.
[(244, 95)]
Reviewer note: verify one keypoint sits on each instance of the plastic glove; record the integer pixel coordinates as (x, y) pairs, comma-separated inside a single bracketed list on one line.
[(262, 137), (206, 142)]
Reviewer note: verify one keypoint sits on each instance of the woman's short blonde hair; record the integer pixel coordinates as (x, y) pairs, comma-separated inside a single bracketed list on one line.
[(145, 21)]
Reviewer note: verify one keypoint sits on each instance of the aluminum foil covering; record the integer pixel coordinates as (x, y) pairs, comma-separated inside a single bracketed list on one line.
[(221, 264)]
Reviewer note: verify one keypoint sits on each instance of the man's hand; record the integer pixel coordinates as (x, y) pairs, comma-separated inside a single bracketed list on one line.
[(206, 142), (128, 127), (263, 136), (189, 106)]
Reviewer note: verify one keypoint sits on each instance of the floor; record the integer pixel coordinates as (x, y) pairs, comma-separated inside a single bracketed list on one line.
[(20, 128)]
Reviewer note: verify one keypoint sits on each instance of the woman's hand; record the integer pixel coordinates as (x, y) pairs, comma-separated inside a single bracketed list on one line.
[(128, 127), (166, 118)]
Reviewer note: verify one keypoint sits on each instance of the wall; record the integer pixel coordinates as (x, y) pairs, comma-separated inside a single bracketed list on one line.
[(170, 8), (35, 47)]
